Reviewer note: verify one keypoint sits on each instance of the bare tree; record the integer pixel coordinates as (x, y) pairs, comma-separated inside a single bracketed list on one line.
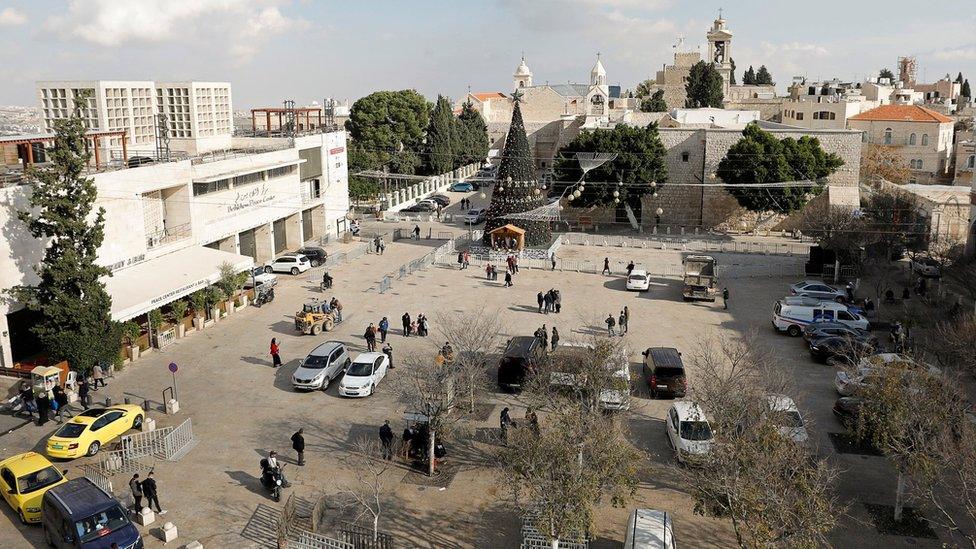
[(953, 493), (472, 336), (368, 487), (878, 161), (961, 276), (558, 475), (772, 488)]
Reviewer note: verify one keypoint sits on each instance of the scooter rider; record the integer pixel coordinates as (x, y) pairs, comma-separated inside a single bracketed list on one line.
[(326, 280), (273, 465)]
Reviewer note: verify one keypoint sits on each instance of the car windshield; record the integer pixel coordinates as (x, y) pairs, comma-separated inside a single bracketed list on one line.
[(101, 524), (474, 212), (315, 361), (70, 430), (695, 430), (33, 482), (360, 369), (637, 278)]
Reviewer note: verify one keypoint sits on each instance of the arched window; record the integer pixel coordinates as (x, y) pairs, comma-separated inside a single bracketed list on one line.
[(972, 161), (919, 164), (864, 137), (925, 139), (887, 136), (911, 163), (833, 116), (911, 139)]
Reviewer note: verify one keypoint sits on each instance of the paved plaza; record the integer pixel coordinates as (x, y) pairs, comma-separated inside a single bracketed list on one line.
[(242, 408)]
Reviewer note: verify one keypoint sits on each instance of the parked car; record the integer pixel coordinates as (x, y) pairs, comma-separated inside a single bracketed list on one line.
[(926, 266), (819, 290), (87, 432), (649, 529), (461, 187), (614, 396), (440, 199), (793, 314), (664, 372), (475, 216), (847, 383), (519, 360), (316, 255), (322, 365), (364, 374), (817, 330), (787, 417), (688, 431), (289, 263), (841, 349), (638, 281), (80, 515), (260, 277), (420, 207), (846, 410), (24, 478)]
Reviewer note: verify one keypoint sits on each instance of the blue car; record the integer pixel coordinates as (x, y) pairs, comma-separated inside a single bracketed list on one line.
[(462, 187)]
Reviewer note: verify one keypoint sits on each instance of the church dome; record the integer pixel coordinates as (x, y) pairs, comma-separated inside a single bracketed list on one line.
[(523, 69), (598, 69)]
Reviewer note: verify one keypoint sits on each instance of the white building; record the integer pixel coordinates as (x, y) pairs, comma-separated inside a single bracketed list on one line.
[(169, 225)]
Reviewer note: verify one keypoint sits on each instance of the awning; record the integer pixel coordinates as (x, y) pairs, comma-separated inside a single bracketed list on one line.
[(145, 286)]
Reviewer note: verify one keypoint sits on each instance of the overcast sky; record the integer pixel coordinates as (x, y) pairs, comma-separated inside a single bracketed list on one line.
[(305, 50)]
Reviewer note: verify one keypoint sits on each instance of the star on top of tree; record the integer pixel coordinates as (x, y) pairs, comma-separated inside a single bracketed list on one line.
[(517, 96)]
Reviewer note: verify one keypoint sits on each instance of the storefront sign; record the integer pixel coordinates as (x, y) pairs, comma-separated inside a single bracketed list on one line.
[(170, 295), (126, 262), (336, 150), (250, 198)]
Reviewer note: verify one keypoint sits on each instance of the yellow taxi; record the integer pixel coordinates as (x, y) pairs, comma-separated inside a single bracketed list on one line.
[(23, 479), (88, 431)]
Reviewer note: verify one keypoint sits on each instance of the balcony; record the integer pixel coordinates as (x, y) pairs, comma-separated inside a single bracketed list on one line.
[(168, 236)]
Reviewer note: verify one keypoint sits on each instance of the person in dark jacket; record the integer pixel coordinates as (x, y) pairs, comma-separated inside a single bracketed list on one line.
[(43, 407), (388, 351), (386, 437), (298, 444), (508, 278), (405, 320), (151, 493), (27, 399), (83, 394), (136, 487), (541, 299), (61, 398)]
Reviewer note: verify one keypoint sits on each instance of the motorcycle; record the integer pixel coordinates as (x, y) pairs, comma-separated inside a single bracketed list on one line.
[(326, 282), (271, 479), (264, 296)]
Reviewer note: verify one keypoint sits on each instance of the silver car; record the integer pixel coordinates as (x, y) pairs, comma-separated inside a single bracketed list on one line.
[(818, 290), (325, 363)]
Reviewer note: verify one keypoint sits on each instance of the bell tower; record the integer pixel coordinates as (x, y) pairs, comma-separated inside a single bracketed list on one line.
[(720, 49)]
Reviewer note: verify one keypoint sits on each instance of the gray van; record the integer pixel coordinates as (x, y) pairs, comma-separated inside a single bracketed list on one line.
[(649, 529), (325, 363)]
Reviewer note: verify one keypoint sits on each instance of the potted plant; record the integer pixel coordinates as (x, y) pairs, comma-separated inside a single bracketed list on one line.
[(131, 332), (155, 317), (240, 279), (178, 308), (214, 295), (199, 301)]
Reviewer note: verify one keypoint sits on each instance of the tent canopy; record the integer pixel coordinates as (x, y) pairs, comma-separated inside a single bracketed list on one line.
[(505, 233), (507, 230)]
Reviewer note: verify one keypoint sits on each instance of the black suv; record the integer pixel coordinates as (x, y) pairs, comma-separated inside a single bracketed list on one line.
[(664, 372), (316, 256), (522, 354)]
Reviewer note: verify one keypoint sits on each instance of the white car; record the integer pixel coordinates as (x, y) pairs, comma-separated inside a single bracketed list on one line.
[(688, 431), (788, 417), (926, 266), (819, 290), (847, 383), (614, 398), (289, 263), (475, 216), (638, 281), (362, 376), (259, 277)]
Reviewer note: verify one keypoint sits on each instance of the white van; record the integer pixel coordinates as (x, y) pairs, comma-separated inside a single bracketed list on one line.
[(791, 314), (649, 529)]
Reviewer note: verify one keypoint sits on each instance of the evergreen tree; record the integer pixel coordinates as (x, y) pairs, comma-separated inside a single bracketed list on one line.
[(966, 91), (474, 135), (959, 78), (644, 89), (732, 72), (654, 103), (886, 73), (759, 157), (763, 78), (749, 77), (386, 128), (442, 139), (520, 194), (704, 87), (73, 307)]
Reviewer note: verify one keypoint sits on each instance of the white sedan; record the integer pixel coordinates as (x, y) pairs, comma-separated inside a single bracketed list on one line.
[(638, 281), (788, 418), (362, 376), (688, 431)]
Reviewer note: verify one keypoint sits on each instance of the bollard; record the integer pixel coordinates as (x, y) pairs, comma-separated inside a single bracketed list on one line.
[(148, 425), (168, 532), (172, 406), (126, 400), (108, 401), (146, 405), (145, 516)]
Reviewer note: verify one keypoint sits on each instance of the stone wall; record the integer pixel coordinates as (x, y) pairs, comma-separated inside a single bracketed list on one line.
[(769, 109)]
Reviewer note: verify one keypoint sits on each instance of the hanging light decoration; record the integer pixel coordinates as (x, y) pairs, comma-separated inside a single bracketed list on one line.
[(659, 211), (655, 194), (543, 186), (653, 184), (536, 192), (577, 194), (483, 195), (500, 188), (616, 201), (616, 194), (571, 198)]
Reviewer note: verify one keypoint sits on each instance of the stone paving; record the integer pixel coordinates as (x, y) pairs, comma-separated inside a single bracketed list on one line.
[(241, 407)]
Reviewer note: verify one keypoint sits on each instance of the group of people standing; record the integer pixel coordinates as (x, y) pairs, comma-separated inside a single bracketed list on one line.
[(55, 399), (511, 268), (464, 259), (550, 301), (542, 334), (379, 245), (622, 320), (419, 326)]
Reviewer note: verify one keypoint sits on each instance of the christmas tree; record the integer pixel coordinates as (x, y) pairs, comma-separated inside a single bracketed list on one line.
[(517, 189)]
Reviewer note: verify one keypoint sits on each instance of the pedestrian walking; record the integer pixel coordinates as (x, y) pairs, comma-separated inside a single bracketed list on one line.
[(384, 328), (60, 403), (439, 212), (606, 265), (27, 399), (136, 488), (557, 300), (488, 271), (405, 322), (630, 268), (382, 246), (725, 297), (627, 314), (547, 301), (298, 444), (43, 407), (467, 259), (386, 437), (541, 300), (610, 325), (275, 356), (98, 375), (388, 351), (370, 336), (460, 260), (508, 278), (83, 394), (494, 272), (416, 232), (515, 264), (504, 420), (544, 335), (555, 338), (151, 493), (552, 259), (622, 321), (406, 441)]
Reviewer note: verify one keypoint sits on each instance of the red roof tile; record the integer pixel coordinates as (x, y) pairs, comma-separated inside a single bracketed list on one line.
[(902, 113), (488, 96)]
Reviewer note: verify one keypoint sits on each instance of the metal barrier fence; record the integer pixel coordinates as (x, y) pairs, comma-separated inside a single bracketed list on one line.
[(179, 441), (429, 259), (95, 475), (688, 244), (139, 451)]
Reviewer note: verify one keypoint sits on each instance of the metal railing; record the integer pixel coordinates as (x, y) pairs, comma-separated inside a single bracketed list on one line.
[(179, 441), (95, 475), (427, 260), (168, 235), (688, 244)]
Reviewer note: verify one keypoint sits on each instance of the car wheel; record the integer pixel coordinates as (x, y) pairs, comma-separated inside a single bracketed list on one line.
[(268, 269), (316, 329), (20, 515), (137, 423), (326, 382), (372, 389), (793, 331), (329, 324), (315, 263), (93, 449), (294, 271)]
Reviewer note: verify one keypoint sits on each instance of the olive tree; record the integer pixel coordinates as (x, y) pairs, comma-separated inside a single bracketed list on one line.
[(472, 336)]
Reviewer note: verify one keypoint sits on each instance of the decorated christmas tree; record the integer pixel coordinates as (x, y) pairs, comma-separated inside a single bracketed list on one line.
[(517, 189)]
